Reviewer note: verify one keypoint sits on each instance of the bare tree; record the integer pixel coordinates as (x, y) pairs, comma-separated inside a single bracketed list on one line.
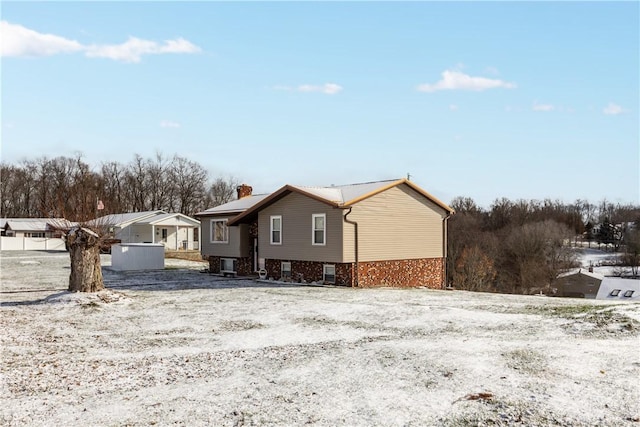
[(632, 249), (113, 189), (534, 255), (159, 185), (137, 183), (221, 191), (474, 270), (189, 181)]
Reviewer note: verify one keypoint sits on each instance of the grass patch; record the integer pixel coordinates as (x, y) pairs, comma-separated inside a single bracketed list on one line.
[(526, 360), (598, 319)]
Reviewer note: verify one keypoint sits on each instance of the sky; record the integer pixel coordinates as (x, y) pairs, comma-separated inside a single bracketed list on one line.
[(524, 100)]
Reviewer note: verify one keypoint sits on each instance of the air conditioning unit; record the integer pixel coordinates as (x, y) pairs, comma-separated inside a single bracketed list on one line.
[(228, 266)]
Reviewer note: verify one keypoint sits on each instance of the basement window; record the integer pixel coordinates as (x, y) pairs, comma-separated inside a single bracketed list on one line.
[(329, 273), (629, 293), (227, 265), (615, 292), (285, 270)]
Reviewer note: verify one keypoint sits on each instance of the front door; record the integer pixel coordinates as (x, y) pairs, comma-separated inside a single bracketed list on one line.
[(164, 235)]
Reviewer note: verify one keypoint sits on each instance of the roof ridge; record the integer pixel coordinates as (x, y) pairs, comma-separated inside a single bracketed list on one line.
[(347, 185)]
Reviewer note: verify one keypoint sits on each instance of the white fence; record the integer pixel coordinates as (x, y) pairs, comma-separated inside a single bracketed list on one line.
[(31, 244)]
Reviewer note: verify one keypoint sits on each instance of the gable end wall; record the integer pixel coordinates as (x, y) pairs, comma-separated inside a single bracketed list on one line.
[(396, 224)]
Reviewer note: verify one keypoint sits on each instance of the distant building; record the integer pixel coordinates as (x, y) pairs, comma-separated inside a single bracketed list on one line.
[(584, 284)]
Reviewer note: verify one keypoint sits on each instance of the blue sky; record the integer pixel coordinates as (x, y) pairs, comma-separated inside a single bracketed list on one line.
[(525, 100)]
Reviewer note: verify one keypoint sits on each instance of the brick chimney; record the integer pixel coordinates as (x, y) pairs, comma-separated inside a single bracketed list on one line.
[(244, 190)]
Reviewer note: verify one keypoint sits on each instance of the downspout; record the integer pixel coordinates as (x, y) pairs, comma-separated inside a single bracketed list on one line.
[(445, 233), (355, 245)]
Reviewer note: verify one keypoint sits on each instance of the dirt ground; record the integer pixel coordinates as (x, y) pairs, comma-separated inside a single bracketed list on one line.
[(183, 347)]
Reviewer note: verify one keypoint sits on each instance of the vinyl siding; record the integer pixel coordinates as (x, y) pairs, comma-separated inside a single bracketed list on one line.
[(238, 245), (396, 224), (296, 211)]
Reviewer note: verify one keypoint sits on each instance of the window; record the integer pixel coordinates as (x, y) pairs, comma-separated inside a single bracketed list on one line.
[(219, 231), (319, 229), (329, 273), (227, 265), (615, 292), (285, 270), (35, 234), (629, 293), (276, 230)]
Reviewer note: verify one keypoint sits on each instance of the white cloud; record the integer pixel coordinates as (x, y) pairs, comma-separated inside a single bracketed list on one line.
[(327, 88), (133, 49), (456, 80), (169, 124), (542, 107), (19, 41), (613, 109), (453, 107)]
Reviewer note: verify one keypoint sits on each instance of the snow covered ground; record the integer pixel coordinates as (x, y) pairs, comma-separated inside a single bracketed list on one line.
[(181, 347)]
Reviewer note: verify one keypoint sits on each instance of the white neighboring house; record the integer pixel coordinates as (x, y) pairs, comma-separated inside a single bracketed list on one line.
[(32, 233), (173, 230)]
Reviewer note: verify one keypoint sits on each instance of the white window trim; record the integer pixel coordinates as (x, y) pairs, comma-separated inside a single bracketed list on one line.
[(324, 273), (211, 232), (271, 218), (313, 229)]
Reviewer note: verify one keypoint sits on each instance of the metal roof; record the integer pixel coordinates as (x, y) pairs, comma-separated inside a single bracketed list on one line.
[(166, 216), (35, 224), (340, 196), (235, 206), (582, 272), (609, 284), (124, 218)]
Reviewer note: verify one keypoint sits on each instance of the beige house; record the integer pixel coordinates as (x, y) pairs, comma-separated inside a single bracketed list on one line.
[(384, 233)]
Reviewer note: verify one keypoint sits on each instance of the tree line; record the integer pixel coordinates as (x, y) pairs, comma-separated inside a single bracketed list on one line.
[(514, 246), (68, 187), (521, 246)]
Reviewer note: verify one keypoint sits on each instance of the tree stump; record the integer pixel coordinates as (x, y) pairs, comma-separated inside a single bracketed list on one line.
[(84, 250)]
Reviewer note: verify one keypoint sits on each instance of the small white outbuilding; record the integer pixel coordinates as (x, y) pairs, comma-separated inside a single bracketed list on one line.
[(137, 256)]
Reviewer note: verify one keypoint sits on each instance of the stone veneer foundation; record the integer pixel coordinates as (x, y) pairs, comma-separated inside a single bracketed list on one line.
[(244, 265), (428, 272), (404, 273)]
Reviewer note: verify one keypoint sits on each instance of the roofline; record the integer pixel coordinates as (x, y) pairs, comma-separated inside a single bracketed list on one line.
[(275, 196), (283, 191), (149, 214), (396, 183), (231, 212), (173, 215)]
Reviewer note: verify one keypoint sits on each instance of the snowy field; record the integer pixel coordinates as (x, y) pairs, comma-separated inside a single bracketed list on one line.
[(181, 347)]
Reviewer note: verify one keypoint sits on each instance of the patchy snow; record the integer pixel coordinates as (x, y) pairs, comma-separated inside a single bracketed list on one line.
[(183, 347)]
